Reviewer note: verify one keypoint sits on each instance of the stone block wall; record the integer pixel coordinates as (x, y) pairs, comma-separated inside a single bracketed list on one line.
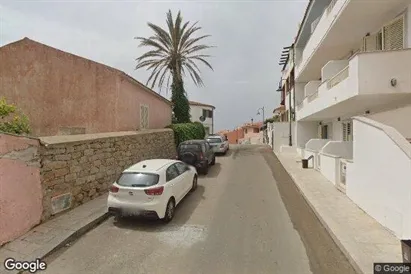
[(78, 168)]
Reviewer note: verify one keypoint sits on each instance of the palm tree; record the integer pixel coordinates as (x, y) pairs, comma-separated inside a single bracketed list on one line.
[(174, 54)]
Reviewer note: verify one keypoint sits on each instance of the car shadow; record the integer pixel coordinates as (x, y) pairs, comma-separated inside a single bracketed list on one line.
[(213, 171), (183, 212), (227, 154)]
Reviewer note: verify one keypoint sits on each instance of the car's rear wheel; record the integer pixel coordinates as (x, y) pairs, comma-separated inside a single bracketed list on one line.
[(170, 209), (204, 170), (195, 182)]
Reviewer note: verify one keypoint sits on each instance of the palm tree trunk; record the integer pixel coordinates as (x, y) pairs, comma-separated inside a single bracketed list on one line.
[(181, 106)]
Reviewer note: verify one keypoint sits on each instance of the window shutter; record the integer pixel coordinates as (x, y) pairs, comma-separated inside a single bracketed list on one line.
[(393, 35), (372, 42), (344, 131)]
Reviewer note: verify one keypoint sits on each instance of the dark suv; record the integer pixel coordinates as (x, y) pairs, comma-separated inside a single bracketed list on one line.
[(197, 153)]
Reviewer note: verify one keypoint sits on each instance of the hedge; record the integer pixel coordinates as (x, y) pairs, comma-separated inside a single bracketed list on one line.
[(187, 131)]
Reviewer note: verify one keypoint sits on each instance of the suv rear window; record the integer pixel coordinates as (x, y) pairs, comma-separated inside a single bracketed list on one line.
[(214, 140), (138, 179), (189, 147)]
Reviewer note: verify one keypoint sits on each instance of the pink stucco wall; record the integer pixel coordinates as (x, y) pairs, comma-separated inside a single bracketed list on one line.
[(59, 90), (20, 187)]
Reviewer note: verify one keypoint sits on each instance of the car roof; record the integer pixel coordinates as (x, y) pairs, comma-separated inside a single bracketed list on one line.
[(152, 165)]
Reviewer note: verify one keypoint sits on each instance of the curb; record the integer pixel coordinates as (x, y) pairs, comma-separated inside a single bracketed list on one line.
[(78, 233), (75, 235), (333, 236)]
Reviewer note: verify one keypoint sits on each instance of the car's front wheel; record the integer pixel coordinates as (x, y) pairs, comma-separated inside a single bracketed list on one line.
[(170, 209)]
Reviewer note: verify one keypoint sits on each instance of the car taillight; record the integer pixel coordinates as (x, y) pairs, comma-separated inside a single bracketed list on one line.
[(114, 189), (154, 191)]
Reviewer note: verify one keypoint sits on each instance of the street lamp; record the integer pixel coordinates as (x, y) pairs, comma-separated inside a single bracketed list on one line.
[(258, 113)]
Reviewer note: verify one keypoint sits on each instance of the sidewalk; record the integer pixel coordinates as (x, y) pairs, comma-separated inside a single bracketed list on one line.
[(362, 239), (55, 233)]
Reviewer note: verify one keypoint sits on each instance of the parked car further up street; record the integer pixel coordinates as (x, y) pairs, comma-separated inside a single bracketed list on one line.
[(151, 188), (197, 153), (219, 144)]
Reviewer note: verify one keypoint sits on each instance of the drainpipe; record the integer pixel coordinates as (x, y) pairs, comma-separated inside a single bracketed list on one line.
[(212, 123)]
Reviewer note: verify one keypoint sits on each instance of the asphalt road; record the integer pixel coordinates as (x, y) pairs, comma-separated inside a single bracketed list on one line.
[(246, 216)]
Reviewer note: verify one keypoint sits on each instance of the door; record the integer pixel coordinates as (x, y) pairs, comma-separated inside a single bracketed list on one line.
[(185, 177), (175, 182), (324, 132)]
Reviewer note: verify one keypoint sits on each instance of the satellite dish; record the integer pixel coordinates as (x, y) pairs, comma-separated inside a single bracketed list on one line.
[(202, 118)]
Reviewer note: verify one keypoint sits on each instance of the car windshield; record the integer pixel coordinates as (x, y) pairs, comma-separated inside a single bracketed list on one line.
[(137, 179), (189, 147), (214, 140)]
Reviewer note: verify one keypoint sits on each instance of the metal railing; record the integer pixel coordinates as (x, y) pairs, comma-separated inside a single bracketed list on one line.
[(338, 78)]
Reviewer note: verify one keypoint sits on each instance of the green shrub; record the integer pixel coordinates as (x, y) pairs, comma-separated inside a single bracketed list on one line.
[(187, 131), (12, 120)]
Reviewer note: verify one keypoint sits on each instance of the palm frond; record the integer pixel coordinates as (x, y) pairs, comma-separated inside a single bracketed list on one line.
[(151, 53), (150, 42), (202, 60), (195, 49), (187, 34), (194, 75), (161, 34), (193, 41)]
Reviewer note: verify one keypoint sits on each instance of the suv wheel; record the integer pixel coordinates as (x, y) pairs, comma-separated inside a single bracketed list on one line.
[(205, 169), (213, 161)]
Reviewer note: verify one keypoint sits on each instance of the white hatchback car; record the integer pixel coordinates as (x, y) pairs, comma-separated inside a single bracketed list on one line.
[(152, 187)]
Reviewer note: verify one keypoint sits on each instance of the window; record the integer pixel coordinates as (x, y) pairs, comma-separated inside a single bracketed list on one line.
[(245, 131), (137, 179), (390, 37), (347, 131), (189, 147), (207, 113), (214, 140), (171, 173), (181, 167), (144, 117)]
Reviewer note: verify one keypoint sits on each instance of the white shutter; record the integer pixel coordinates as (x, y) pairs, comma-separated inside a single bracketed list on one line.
[(371, 43), (393, 34), (347, 131)]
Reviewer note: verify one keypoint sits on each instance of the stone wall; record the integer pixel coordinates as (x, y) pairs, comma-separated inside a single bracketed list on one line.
[(78, 168)]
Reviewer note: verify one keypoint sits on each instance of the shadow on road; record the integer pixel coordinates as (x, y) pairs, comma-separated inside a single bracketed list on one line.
[(182, 214), (213, 171)]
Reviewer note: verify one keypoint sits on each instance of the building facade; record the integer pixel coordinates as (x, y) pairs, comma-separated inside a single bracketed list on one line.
[(62, 93), (203, 113), (353, 101)]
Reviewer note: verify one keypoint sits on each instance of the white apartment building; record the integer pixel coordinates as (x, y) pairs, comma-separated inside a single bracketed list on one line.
[(203, 113), (353, 102)]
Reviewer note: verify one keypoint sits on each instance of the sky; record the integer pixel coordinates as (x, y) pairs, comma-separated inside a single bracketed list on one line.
[(248, 37)]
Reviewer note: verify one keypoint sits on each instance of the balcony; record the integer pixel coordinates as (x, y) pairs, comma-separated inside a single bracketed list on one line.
[(339, 30), (369, 81)]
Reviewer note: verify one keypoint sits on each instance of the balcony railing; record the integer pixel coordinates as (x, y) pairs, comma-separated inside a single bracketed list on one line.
[(338, 78)]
